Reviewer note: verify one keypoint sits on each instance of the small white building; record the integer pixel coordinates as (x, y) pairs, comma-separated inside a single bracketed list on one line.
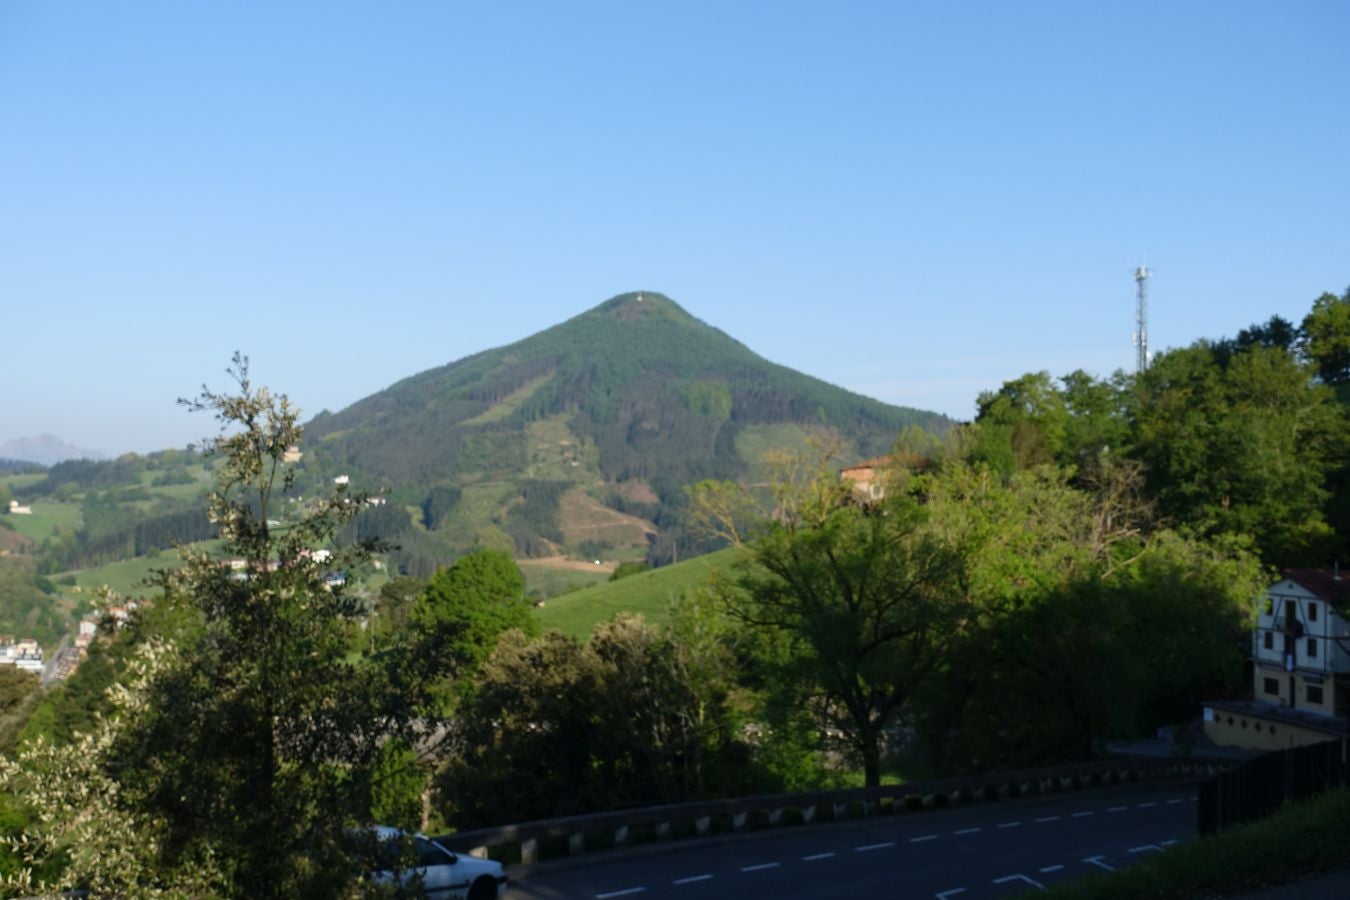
[(15, 509)]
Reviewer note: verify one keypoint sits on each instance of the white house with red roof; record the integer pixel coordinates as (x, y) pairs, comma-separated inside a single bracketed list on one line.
[(1300, 667)]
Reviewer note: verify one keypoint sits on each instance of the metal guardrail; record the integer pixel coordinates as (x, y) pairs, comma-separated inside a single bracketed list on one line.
[(574, 835)]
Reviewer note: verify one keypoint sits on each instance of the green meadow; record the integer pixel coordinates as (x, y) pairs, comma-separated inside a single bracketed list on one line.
[(650, 593)]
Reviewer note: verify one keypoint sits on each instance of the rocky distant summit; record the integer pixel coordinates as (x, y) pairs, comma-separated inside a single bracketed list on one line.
[(45, 449)]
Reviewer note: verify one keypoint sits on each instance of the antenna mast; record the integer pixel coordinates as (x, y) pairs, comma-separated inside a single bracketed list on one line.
[(1141, 277)]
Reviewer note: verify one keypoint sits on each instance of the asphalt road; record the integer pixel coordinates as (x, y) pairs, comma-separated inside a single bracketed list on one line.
[(992, 850)]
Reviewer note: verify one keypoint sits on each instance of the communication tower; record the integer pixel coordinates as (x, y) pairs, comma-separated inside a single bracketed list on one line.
[(1141, 277)]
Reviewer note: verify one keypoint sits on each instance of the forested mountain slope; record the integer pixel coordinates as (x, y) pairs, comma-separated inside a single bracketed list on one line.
[(630, 401)]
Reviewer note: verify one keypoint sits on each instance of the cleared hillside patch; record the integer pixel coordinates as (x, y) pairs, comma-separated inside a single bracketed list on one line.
[(510, 403), (582, 518)]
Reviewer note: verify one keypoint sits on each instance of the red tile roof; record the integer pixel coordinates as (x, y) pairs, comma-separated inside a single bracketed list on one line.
[(1331, 587)]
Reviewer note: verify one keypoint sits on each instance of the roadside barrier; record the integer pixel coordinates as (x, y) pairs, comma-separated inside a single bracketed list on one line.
[(529, 842), (1259, 787)]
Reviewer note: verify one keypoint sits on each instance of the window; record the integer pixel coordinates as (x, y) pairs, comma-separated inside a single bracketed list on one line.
[(1272, 686), (1312, 648), (429, 854), (1270, 640), (1312, 693), (1312, 612)]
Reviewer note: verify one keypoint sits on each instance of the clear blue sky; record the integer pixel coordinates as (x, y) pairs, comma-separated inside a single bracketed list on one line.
[(914, 201)]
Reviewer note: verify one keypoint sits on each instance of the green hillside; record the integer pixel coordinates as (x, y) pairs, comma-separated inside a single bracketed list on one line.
[(650, 593), (625, 404)]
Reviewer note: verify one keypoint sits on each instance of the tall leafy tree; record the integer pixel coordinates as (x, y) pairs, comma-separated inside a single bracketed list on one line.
[(1242, 448), (1326, 337), (258, 747), (870, 598), (463, 613)]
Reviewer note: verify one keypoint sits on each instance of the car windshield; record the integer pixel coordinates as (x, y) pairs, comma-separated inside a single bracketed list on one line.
[(428, 854)]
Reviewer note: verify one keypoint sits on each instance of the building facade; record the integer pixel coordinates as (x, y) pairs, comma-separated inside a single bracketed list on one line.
[(1300, 664)]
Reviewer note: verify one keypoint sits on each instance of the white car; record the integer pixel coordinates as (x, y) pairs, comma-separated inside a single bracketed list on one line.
[(443, 874)]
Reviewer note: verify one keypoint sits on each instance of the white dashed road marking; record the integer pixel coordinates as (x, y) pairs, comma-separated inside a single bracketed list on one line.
[(968, 830), (692, 879), (1178, 800), (815, 856), (1097, 861), (1048, 819), (1117, 808), (1079, 815), (761, 867), (1168, 843), (922, 838), (866, 847), (952, 893), (1009, 824), (1145, 848), (623, 893), (1048, 869), (1019, 877), (1148, 804)]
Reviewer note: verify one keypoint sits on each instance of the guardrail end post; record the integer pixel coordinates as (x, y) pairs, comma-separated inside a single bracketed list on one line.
[(621, 836), (868, 806), (663, 831), (776, 816), (808, 814), (738, 821), (529, 851), (839, 810), (703, 824), (576, 844)]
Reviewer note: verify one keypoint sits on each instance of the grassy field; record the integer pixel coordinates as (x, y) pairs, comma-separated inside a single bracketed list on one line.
[(1304, 839), (18, 481), (47, 515), (127, 576), (649, 593), (549, 581)]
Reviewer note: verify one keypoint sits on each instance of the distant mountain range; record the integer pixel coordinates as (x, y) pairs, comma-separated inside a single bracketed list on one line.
[(585, 435), (44, 449)]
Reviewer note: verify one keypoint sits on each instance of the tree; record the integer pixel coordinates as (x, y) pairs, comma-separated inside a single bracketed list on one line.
[(462, 614), (553, 727), (1092, 622), (77, 831), (254, 749), (1326, 337), (1244, 448), (1032, 413), (870, 598)]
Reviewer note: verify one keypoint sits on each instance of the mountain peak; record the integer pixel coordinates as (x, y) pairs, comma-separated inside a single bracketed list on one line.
[(637, 305)]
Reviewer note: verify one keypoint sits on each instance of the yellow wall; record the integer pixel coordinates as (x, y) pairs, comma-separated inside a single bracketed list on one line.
[(1250, 738)]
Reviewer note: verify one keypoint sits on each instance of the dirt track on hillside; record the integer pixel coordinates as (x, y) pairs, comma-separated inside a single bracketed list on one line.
[(562, 562)]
